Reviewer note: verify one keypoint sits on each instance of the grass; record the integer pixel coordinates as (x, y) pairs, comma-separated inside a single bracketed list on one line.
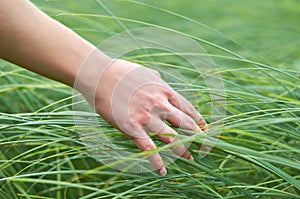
[(255, 47)]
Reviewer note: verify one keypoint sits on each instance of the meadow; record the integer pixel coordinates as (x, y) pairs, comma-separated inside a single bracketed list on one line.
[(255, 47)]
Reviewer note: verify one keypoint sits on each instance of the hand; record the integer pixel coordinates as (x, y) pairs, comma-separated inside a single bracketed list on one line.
[(136, 100), (132, 98)]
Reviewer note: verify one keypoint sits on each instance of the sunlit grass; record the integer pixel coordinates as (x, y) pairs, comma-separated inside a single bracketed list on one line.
[(256, 156)]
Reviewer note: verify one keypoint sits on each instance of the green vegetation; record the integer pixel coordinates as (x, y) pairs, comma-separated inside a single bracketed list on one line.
[(255, 45)]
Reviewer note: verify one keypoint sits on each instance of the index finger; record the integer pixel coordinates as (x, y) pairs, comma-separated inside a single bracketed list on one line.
[(146, 144), (185, 106)]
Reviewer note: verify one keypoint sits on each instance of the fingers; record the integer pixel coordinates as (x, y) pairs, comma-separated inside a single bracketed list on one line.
[(185, 106), (179, 119), (146, 144), (168, 136)]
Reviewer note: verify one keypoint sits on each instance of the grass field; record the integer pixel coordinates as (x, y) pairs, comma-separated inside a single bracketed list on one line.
[(255, 45)]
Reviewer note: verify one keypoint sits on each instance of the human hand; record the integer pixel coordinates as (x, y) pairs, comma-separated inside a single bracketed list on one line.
[(136, 100), (132, 98)]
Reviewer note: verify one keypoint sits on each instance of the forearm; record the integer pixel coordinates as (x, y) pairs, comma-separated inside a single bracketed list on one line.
[(31, 39)]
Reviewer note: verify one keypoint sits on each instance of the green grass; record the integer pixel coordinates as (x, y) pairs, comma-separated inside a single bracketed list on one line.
[(255, 45)]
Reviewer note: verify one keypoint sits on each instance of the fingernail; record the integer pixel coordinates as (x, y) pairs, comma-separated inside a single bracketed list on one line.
[(162, 171), (191, 158)]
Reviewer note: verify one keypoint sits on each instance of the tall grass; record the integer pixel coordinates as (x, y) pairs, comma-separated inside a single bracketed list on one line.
[(257, 154)]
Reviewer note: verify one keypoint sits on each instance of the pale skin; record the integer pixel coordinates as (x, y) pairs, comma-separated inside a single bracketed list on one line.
[(31, 39)]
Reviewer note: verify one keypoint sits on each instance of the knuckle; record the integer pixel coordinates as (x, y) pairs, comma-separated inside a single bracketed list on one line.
[(169, 93), (152, 99), (143, 118), (166, 108), (157, 100)]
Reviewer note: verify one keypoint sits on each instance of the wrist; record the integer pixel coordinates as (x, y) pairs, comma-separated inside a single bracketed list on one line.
[(89, 73)]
